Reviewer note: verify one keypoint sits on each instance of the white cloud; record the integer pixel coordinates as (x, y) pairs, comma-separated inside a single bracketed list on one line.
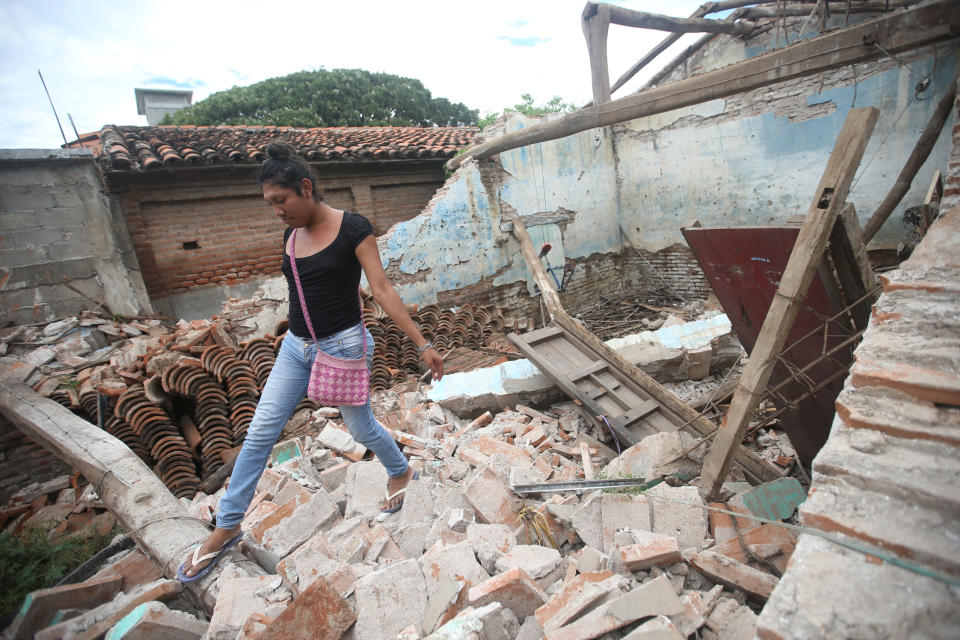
[(482, 54)]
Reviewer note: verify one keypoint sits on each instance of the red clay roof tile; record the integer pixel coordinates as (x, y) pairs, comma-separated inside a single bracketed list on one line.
[(146, 148)]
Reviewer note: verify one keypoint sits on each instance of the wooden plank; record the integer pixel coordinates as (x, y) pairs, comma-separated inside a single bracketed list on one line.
[(547, 291), (852, 266), (828, 200), (638, 412), (896, 32), (128, 488), (671, 406), (567, 387), (542, 335), (594, 367)]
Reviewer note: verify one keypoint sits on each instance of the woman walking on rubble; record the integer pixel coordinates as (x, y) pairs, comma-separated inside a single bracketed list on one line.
[(331, 247)]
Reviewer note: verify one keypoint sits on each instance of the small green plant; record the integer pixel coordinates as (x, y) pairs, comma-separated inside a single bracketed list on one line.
[(29, 561)]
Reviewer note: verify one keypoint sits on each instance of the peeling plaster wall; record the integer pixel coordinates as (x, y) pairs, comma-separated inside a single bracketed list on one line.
[(613, 200), (756, 158)]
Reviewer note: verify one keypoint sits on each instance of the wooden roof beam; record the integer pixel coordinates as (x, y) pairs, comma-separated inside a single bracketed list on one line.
[(896, 32)]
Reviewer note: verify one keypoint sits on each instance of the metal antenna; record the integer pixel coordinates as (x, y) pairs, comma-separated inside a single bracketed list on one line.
[(52, 107), (72, 124)]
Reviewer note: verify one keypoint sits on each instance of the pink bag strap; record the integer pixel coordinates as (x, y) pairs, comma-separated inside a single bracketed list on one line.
[(303, 303)]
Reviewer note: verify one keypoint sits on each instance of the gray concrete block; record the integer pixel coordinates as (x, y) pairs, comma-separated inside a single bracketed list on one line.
[(489, 542), (26, 198), (365, 487), (18, 256), (39, 236), (61, 217), (456, 562), (17, 220), (389, 600), (685, 522), (70, 250), (38, 273), (588, 521)]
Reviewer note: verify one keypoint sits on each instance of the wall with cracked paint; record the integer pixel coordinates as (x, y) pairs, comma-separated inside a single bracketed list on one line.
[(751, 159)]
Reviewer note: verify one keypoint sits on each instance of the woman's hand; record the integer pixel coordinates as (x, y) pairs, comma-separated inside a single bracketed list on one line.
[(434, 361)]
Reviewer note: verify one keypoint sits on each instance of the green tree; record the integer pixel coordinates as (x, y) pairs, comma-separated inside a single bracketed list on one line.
[(526, 107), (335, 98)]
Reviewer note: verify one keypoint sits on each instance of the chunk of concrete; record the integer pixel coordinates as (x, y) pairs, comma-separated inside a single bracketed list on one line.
[(155, 621), (656, 597), (489, 542), (734, 574), (514, 589), (654, 456), (339, 440), (650, 550), (318, 613), (697, 606), (306, 520), (456, 562), (588, 521), (591, 560), (731, 620), (623, 511), (366, 484), (575, 596), (678, 512), (536, 560), (491, 500), (239, 598), (418, 503), (659, 628), (390, 600), (444, 604)]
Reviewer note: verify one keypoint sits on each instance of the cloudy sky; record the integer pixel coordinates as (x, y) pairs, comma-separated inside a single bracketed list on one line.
[(484, 54)]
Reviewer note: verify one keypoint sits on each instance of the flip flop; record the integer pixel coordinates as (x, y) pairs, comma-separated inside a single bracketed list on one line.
[(214, 558), (388, 497)]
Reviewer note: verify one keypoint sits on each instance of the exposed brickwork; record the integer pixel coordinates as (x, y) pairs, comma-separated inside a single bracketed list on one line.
[(674, 268), (951, 185), (23, 461), (236, 234), (396, 203)]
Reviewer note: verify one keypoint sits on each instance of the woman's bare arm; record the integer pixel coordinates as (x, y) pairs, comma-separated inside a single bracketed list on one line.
[(383, 292)]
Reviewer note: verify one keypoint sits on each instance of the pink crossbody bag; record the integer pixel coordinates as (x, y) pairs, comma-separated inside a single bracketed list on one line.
[(334, 381)]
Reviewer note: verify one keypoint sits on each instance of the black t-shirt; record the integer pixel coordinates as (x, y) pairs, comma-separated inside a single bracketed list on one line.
[(330, 279)]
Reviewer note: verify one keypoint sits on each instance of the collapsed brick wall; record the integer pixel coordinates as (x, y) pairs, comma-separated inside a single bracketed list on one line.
[(675, 269)]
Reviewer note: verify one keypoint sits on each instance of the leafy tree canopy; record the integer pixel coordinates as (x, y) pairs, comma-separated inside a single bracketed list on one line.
[(335, 98), (526, 107)]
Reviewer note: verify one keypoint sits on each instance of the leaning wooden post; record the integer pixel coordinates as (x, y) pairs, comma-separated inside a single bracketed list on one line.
[(827, 203), (550, 296), (130, 490), (595, 22), (917, 157)]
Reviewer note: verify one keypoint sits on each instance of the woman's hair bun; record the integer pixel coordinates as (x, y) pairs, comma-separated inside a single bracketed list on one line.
[(280, 151)]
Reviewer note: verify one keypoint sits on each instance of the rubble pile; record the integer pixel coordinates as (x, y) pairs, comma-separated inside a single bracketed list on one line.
[(61, 507), (181, 397), (468, 557)]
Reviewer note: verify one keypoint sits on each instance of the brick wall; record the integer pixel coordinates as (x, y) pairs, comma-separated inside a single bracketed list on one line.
[(23, 461), (61, 249), (951, 186), (673, 268), (396, 203), (199, 228)]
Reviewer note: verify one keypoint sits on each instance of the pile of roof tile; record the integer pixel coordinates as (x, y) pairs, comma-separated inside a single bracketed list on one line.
[(183, 397)]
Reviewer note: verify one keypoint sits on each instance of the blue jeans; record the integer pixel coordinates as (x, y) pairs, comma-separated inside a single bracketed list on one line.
[(285, 387)]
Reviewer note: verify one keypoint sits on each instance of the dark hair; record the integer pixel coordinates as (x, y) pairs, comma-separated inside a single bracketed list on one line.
[(284, 167)]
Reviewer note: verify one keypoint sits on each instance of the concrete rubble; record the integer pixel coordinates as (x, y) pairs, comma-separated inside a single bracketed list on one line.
[(466, 556)]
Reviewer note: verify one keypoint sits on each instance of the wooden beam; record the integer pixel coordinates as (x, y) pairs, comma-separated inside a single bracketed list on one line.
[(644, 20), (896, 32), (917, 157), (547, 292), (807, 253), (595, 22), (130, 490)]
